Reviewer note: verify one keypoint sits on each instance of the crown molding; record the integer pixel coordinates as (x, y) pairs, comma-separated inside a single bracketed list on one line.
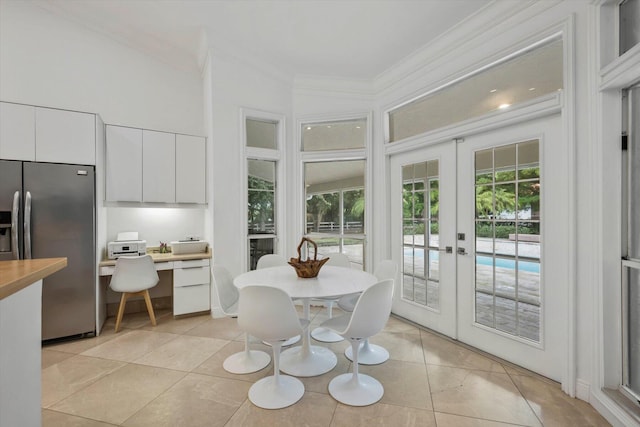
[(333, 86)]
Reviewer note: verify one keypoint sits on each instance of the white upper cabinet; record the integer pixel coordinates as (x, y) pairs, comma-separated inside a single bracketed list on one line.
[(65, 137), (191, 163), (154, 167), (123, 164), (158, 167), (17, 132)]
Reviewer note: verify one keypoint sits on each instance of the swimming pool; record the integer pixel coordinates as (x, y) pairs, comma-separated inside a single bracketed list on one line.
[(532, 267)]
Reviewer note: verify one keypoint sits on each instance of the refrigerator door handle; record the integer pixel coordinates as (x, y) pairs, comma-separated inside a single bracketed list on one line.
[(27, 225), (15, 210)]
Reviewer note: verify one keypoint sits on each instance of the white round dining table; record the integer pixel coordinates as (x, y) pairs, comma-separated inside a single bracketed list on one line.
[(308, 360)]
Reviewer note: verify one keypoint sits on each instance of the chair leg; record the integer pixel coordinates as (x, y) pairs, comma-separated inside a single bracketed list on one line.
[(147, 300), (123, 302)]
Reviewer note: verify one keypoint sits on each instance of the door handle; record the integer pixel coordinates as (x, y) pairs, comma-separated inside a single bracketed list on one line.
[(462, 251), (446, 249), (27, 225), (15, 210)]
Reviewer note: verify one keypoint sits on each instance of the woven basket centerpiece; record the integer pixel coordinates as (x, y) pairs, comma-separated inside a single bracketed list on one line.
[(310, 267)]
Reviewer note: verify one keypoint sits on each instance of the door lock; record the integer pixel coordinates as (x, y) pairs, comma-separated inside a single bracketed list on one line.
[(462, 251), (447, 249)]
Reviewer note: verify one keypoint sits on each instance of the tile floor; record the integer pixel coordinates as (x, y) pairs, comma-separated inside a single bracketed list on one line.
[(171, 375)]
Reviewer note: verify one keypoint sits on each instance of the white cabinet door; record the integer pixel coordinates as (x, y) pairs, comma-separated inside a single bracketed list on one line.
[(158, 167), (17, 132), (65, 137), (191, 288), (190, 169), (124, 164)]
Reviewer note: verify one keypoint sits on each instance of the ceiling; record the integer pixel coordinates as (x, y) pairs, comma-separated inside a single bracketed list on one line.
[(354, 39)]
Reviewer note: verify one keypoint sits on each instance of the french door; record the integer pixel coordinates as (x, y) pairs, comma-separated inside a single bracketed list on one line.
[(487, 241)]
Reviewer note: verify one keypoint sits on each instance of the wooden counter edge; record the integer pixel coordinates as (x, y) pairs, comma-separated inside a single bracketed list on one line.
[(17, 275)]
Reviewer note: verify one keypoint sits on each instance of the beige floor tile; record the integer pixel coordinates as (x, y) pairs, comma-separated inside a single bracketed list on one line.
[(554, 407), (174, 325), (395, 324), (58, 419), (313, 410), (448, 420), (119, 395), (224, 328), (183, 353), (320, 383), (75, 373), (383, 415), (213, 365), (196, 400), (77, 346), (401, 346), (479, 394), (51, 357), (442, 352), (404, 383), (130, 345), (136, 320)]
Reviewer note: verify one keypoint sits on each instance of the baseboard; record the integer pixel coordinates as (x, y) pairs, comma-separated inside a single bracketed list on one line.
[(583, 390)]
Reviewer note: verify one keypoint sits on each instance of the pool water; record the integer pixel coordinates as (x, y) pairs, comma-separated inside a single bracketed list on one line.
[(533, 267)]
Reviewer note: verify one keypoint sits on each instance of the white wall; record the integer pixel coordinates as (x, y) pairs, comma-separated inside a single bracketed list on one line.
[(157, 225), (48, 61), (236, 85)]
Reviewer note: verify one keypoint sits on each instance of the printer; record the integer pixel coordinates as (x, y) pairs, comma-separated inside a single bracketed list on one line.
[(126, 244)]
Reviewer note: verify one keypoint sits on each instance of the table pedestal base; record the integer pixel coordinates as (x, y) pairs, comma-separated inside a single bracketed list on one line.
[(310, 363)]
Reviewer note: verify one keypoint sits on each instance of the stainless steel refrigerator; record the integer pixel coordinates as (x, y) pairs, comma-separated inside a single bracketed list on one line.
[(48, 210)]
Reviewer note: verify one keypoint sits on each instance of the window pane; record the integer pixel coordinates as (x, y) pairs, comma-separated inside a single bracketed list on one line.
[(339, 135), (629, 24), (258, 248), (353, 202), (262, 134), (539, 72), (261, 197)]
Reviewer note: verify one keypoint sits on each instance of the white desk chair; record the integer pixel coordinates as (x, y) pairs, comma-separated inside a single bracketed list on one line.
[(368, 318), (275, 260), (270, 260), (369, 354), (268, 313), (247, 361), (323, 334), (134, 276)]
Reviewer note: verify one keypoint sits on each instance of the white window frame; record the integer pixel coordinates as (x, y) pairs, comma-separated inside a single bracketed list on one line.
[(276, 155), (304, 157)]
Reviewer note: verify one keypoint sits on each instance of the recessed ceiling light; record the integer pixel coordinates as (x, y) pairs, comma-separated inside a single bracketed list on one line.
[(329, 126), (532, 88), (503, 106), (493, 90), (308, 127), (357, 127)]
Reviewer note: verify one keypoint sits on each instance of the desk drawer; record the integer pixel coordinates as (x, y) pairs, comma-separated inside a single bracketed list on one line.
[(190, 299), (190, 276)]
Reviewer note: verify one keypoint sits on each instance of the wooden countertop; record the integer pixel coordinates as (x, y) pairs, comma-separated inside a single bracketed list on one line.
[(17, 275), (158, 257)]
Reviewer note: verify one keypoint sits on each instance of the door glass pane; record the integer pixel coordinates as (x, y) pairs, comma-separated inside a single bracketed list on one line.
[(536, 72), (339, 135), (262, 134), (420, 210), (335, 207), (508, 239), (633, 327), (258, 248)]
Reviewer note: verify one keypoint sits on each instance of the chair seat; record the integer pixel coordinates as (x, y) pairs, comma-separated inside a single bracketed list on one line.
[(337, 324), (348, 302)]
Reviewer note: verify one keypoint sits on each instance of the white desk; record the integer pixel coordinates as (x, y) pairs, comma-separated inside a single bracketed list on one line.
[(307, 360)]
